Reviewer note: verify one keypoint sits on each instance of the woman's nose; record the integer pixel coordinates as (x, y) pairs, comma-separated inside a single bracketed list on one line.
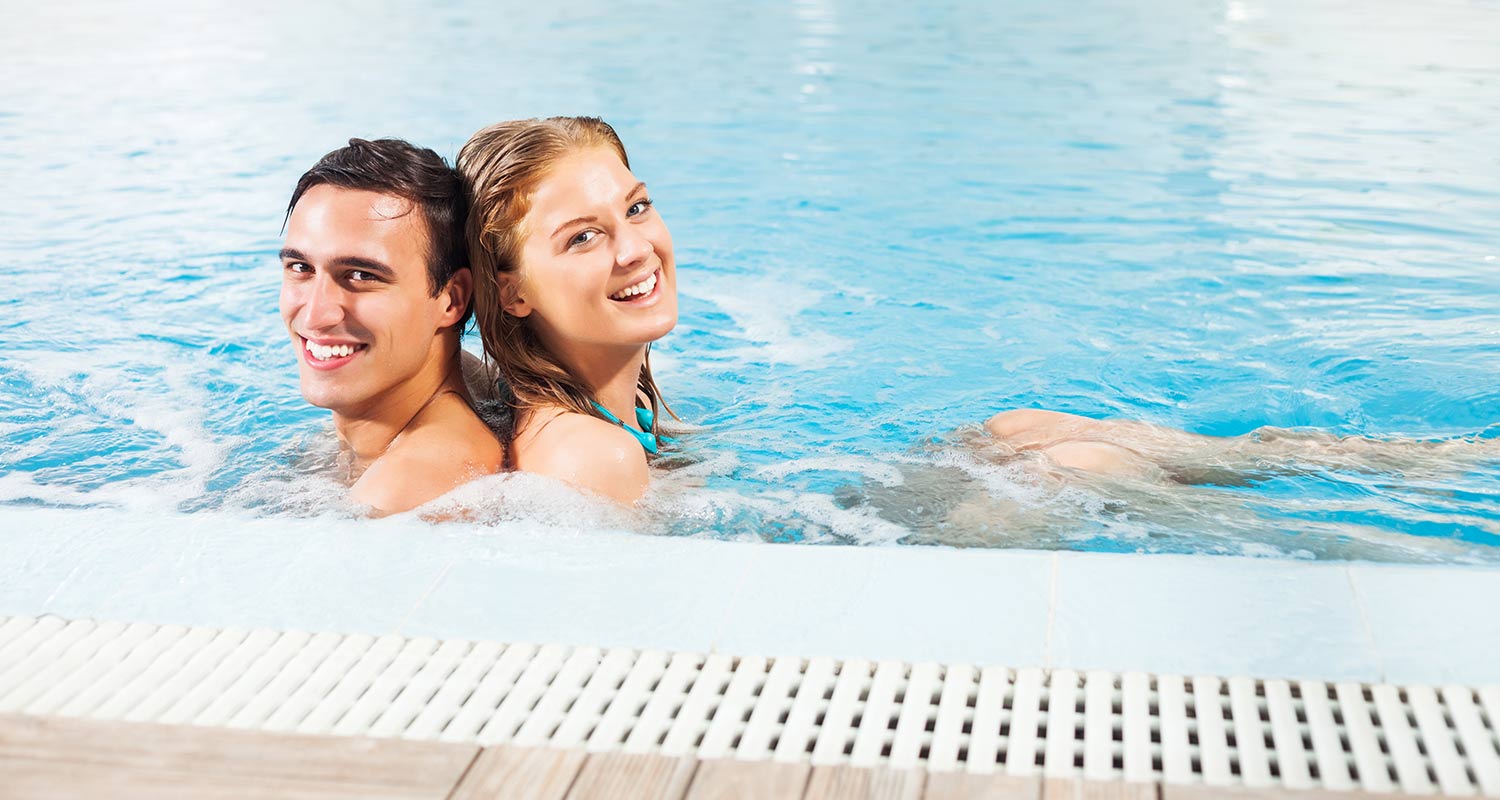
[(631, 248)]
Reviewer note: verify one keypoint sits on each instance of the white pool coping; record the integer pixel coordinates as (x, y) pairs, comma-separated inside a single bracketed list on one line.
[(1200, 615)]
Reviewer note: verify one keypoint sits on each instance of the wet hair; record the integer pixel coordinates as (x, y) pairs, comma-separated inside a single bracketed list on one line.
[(501, 166), (416, 174)]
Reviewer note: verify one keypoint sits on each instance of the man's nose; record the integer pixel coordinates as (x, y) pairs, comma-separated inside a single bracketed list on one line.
[(631, 248), (324, 307)]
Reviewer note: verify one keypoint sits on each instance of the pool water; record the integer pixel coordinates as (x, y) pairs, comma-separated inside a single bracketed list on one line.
[(891, 223)]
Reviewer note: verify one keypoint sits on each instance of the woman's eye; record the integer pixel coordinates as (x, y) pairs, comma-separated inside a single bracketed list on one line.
[(582, 237), (638, 207)]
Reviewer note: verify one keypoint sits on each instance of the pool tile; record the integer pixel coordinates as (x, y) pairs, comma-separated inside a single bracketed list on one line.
[(1433, 625), (910, 603), (37, 563), (599, 589), (343, 576), (1209, 615)]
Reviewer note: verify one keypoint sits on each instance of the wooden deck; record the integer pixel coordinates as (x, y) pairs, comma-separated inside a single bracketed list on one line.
[(53, 757)]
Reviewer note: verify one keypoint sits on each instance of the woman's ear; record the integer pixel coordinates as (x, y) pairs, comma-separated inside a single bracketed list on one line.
[(458, 294), (512, 299)]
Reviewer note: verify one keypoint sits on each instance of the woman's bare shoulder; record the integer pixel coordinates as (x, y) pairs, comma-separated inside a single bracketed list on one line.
[(584, 451)]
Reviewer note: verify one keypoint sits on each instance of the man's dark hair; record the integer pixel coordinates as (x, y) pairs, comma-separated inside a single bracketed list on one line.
[(398, 168)]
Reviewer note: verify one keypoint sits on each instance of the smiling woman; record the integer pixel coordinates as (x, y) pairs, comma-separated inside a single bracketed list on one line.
[(575, 278)]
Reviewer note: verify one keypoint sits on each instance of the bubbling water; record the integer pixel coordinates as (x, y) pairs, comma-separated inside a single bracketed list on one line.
[(890, 222)]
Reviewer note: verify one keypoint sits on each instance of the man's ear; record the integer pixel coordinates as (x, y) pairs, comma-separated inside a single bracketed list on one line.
[(511, 298), (457, 295)]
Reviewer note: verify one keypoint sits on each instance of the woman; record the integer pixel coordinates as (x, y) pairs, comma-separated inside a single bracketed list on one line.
[(575, 278)]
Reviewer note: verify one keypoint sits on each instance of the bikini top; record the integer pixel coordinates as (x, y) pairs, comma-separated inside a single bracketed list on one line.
[(645, 419)]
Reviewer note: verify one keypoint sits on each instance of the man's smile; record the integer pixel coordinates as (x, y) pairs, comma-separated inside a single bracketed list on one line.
[(329, 354)]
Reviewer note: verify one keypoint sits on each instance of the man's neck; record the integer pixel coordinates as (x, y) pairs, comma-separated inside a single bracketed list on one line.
[(368, 432)]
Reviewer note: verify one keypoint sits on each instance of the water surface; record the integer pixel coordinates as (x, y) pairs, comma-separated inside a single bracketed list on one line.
[(891, 223)]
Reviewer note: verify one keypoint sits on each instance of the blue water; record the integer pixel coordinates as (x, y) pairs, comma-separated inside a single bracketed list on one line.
[(891, 223)]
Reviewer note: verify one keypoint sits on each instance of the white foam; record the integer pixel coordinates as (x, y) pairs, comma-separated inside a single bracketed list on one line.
[(692, 473), (535, 500), (764, 310), (22, 487), (172, 406), (804, 516), (885, 473)]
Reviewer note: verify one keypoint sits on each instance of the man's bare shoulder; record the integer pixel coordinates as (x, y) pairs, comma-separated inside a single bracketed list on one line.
[(446, 446), (585, 451), (449, 427)]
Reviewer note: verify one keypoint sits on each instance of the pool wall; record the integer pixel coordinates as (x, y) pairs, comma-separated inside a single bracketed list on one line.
[(1212, 615)]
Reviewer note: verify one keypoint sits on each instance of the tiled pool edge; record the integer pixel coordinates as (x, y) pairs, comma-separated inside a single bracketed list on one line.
[(1164, 614), (945, 718)]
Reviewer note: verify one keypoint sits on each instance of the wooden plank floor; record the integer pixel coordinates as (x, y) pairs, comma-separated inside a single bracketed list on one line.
[(54, 757)]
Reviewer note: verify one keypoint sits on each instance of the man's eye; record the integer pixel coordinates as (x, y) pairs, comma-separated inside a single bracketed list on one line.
[(299, 268), (582, 237), (360, 276), (638, 207)]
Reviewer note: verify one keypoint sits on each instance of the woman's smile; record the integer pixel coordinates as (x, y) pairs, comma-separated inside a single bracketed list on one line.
[(641, 293)]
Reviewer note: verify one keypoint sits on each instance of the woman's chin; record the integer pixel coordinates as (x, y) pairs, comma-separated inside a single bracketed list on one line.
[(666, 327), (655, 334), (646, 329)]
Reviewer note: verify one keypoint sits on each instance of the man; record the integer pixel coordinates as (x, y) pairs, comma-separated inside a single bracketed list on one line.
[(375, 293)]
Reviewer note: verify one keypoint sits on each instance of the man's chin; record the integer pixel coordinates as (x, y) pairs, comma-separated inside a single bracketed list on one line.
[(330, 398)]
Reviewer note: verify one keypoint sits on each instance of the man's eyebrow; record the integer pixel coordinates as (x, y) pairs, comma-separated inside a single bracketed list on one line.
[(633, 192), (362, 263), (351, 262)]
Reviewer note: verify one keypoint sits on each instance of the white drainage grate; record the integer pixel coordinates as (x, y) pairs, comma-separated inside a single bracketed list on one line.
[(1095, 725)]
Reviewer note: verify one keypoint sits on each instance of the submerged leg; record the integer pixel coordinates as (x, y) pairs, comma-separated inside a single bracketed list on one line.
[(1111, 446), (1106, 446)]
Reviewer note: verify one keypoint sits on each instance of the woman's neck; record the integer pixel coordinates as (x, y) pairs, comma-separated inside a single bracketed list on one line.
[(612, 374)]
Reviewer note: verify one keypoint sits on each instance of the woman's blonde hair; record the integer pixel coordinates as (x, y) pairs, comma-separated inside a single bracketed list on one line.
[(501, 167)]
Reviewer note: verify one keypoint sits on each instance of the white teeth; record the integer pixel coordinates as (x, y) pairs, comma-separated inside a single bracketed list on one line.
[(644, 287), (325, 352)]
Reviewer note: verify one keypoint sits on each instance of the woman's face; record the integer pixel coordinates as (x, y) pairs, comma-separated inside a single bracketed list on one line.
[(596, 261)]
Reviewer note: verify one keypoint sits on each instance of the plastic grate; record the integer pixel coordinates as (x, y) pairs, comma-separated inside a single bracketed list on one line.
[(1212, 730)]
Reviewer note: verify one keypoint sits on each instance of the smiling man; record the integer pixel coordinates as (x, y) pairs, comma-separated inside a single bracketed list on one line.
[(375, 292)]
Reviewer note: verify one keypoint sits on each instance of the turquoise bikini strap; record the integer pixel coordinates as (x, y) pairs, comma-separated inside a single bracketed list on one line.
[(644, 418)]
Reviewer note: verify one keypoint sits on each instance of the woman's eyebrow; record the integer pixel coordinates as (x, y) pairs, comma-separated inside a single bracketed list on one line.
[(639, 187), (573, 222)]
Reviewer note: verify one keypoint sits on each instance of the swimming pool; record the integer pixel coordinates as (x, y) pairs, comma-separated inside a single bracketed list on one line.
[(1211, 215)]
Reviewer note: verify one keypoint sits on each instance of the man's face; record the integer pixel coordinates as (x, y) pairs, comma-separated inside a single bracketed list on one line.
[(355, 299)]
